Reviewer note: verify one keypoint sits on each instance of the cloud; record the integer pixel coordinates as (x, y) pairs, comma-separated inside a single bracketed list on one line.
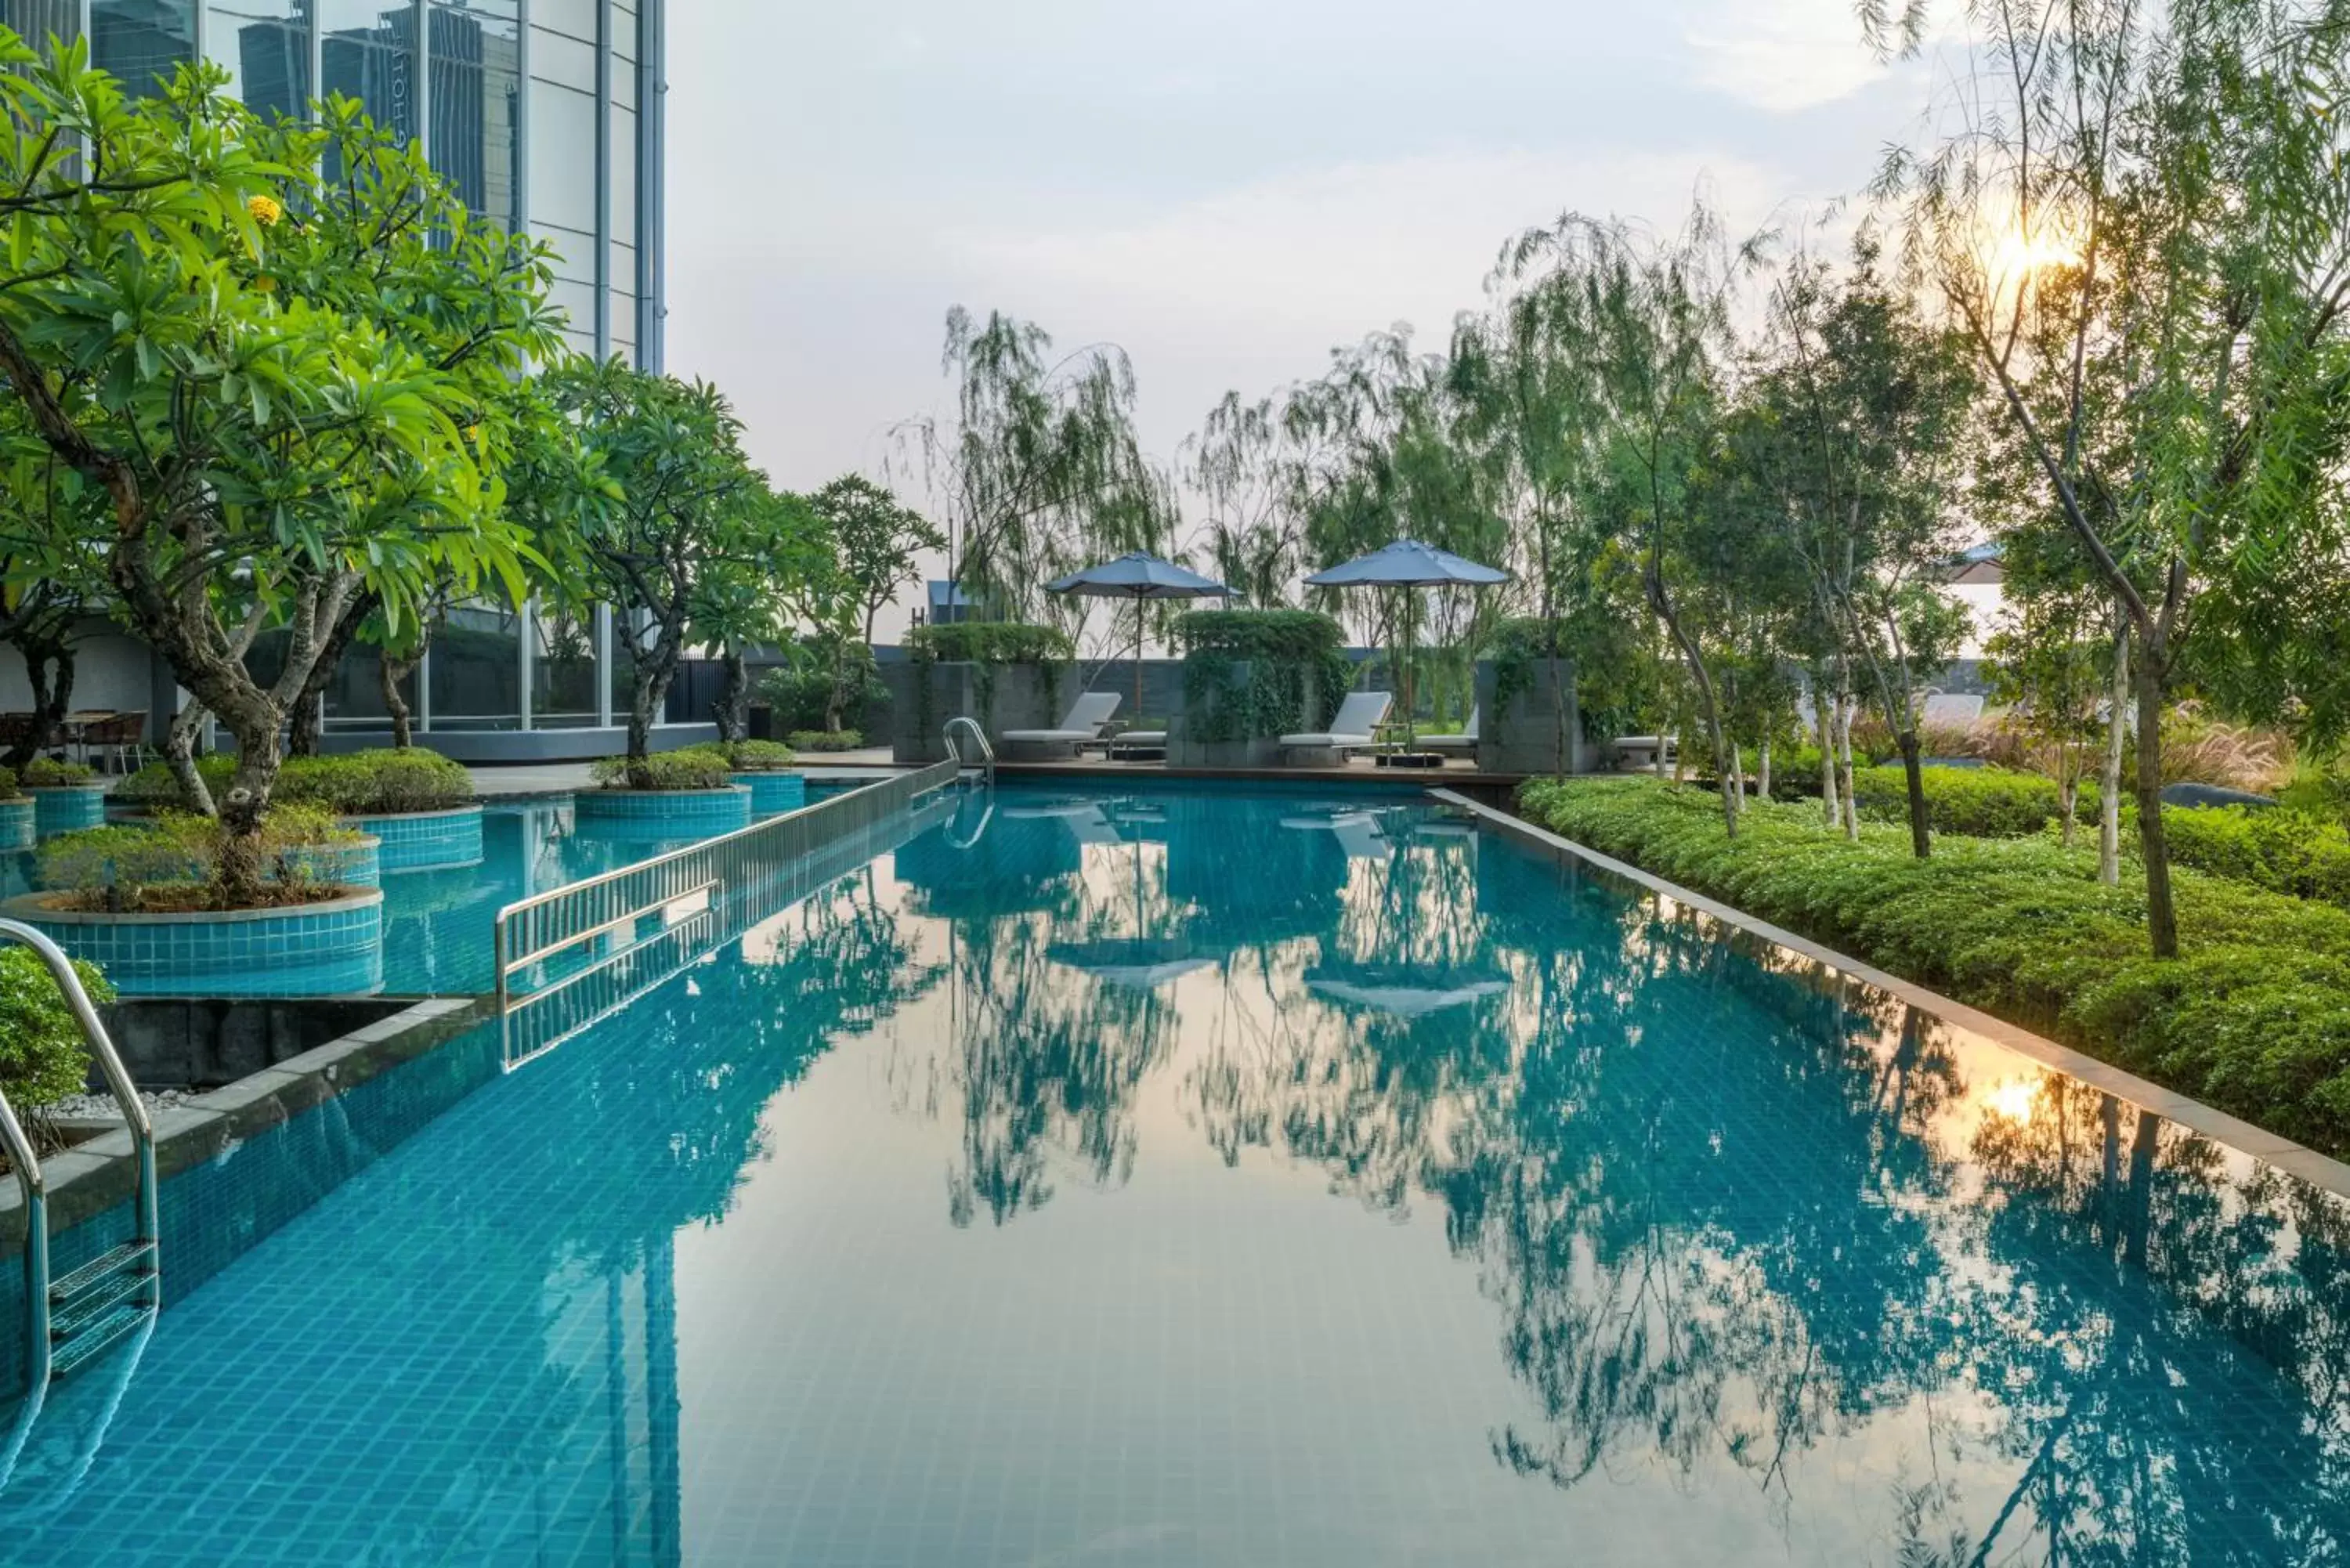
[(1781, 56)]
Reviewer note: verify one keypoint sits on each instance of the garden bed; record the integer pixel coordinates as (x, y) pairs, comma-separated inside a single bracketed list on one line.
[(2253, 1018)]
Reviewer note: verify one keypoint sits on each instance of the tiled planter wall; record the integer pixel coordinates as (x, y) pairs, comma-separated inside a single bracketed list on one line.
[(425, 840), (17, 825), (772, 793), (314, 950), (67, 808), (357, 865), (664, 812)]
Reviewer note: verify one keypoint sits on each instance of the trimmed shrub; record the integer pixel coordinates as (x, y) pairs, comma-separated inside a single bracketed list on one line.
[(1980, 803), (174, 863), (756, 756), (49, 772), (690, 767), (8, 790), (826, 740), (42, 1057), (2284, 851), (2254, 1018), (381, 783)]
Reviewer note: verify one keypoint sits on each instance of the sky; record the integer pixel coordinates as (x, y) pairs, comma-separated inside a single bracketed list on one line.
[(1226, 189)]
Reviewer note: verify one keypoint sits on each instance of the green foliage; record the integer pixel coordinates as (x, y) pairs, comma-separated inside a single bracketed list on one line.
[(826, 740), (181, 861), (50, 773), (801, 694), (876, 540), (42, 1057), (688, 768), (380, 783), (988, 642), (1297, 668), (2254, 1018), (756, 756), (8, 790), (2284, 851), (1980, 803)]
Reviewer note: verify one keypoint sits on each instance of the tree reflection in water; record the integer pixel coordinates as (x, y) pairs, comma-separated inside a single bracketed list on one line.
[(2018, 1277)]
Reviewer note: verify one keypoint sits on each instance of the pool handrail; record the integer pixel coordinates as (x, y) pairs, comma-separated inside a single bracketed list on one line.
[(525, 933), (986, 752), (144, 1248)]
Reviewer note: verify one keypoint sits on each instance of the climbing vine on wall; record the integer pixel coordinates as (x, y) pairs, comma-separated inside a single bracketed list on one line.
[(1258, 673)]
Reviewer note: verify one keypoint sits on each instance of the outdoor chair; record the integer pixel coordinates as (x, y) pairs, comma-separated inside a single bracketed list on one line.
[(1463, 744), (1355, 727), (1088, 717), (119, 742)]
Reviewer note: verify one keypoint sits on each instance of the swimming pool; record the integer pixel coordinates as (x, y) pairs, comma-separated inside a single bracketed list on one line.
[(1233, 1178)]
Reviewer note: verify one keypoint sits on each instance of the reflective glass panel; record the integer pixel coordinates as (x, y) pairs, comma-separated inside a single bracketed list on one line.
[(475, 103), (562, 671), (142, 42), (477, 670), (369, 53), (266, 46), (38, 21)]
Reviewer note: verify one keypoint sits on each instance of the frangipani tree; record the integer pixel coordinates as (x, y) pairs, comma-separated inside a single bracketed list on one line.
[(276, 383)]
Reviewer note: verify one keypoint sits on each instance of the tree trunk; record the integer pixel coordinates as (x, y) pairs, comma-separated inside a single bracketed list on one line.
[(309, 703), (2109, 797), (1763, 768), (179, 757), (2068, 794), (1846, 707), (1824, 714), (647, 692), (52, 697), (390, 672), (734, 711), (1913, 771), (2161, 918)]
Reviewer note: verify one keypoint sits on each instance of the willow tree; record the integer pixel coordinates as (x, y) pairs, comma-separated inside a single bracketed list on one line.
[(1251, 539), (275, 383), (1649, 319), (1040, 467), (2140, 224)]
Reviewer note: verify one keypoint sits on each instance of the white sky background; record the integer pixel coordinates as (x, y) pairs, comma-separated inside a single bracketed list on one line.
[(1227, 188)]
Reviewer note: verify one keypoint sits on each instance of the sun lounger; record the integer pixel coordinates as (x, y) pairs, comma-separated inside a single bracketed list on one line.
[(1086, 717), (1463, 744), (1355, 726)]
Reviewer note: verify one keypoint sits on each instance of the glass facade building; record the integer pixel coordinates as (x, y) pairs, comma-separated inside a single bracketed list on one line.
[(546, 117)]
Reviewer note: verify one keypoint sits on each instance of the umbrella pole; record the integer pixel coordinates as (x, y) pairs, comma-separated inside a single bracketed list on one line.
[(1137, 658)]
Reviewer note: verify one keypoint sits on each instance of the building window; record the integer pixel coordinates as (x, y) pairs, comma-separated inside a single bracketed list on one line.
[(143, 43), (562, 671), (476, 669), (38, 21), (266, 46), (476, 104), (367, 51)]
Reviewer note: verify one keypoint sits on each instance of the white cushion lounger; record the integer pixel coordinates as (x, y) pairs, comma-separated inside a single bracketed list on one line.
[(1354, 727), (1466, 741), (1083, 725)]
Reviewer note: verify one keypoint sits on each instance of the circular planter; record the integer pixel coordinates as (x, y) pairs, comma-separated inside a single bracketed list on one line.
[(338, 865), (330, 948), (16, 827), (774, 792), (425, 840), (66, 808), (665, 813)]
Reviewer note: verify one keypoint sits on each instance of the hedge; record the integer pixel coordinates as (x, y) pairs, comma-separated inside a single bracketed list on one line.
[(42, 1057), (988, 642), (381, 783), (174, 862), (688, 767), (825, 739), (49, 772), (8, 790), (1981, 803), (2254, 1018)]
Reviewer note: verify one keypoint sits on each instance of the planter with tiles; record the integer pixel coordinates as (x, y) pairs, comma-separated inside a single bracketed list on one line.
[(772, 793), (16, 826), (332, 948), (66, 808), (425, 840), (664, 812)]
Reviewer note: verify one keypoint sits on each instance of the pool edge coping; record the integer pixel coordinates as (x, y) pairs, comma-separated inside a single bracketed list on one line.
[(92, 1177), (2297, 1160)]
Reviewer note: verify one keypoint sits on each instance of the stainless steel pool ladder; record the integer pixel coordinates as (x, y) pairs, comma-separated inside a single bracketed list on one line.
[(69, 1321), (986, 753)]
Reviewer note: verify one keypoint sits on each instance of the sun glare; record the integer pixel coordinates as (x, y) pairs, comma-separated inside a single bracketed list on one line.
[(2012, 255), (2014, 1100)]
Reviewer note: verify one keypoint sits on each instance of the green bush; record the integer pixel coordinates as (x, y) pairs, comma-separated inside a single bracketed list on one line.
[(826, 740), (49, 772), (8, 790), (690, 767), (1980, 803), (799, 697), (2254, 1018), (382, 783), (988, 642), (1297, 669), (756, 756), (174, 862), (42, 1057), (2284, 851)]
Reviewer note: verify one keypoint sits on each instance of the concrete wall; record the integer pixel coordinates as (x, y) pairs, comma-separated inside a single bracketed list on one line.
[(110, 671), (1541, 728), (1025, 697), (168, 1044)]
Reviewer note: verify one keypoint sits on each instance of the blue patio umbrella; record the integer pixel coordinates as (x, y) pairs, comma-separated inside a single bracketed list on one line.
[(1408, 563), (1137, 577)]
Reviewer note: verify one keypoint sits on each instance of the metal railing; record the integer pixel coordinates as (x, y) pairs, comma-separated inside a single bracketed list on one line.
[(138, 1254), (598, 924), (987, 764)]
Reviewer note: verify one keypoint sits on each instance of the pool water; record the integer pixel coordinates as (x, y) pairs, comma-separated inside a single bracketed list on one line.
[(1230, 1178)]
